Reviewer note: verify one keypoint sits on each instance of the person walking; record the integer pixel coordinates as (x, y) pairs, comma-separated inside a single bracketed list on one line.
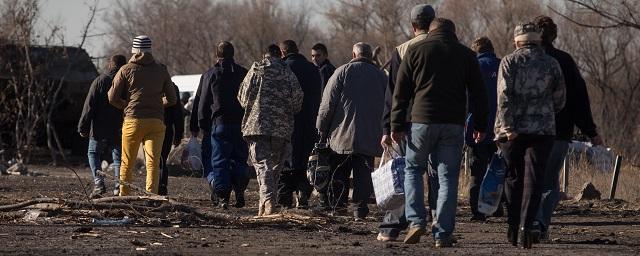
[(143, 88), (530, 91), (436, 77), (220, 111), (350, 117), (421, 17), (270, 96), (293, 179), (174, 123), (102, 124), (320, 58), (481, 152), (577, 112)]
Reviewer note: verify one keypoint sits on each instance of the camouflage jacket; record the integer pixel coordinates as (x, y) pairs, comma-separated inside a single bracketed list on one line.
[(531, 90), (270, 96)]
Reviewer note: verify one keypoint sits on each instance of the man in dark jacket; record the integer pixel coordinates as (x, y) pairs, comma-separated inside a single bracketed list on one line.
[(319, 56), (436, 75), (102, 123), (421, 17), (220, 112), (577, 112), (304, 132), (174, 123), (481, 152), (351, 117)]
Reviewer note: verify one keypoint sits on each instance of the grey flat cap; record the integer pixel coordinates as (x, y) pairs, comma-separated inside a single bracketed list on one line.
[(422, 11)]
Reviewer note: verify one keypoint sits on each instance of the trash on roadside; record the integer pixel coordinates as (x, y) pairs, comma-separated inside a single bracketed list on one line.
[(124, 221)]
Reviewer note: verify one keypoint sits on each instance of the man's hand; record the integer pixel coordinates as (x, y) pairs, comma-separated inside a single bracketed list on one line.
[(597, 140), (84, 134), (398, 137), (386, 141), (512, 135), (478, 136)]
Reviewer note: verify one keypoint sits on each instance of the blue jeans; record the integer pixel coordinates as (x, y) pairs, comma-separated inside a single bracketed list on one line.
[(439, 145), (95, 152), (551, 190), (229, 154)]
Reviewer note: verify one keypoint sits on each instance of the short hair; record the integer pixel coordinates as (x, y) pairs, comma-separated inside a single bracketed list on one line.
[(442, 24), (548, 27), (225, 50), (422, 22), (116, 61), (361, 49), (320, 47), (482, 45), (273, 50), (289, 46)]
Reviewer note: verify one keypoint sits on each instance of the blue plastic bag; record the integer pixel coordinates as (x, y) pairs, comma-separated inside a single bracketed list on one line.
[(492, 185)]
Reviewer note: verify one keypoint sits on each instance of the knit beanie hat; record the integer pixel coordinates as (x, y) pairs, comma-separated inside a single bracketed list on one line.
[(141, 44), (526, 32)]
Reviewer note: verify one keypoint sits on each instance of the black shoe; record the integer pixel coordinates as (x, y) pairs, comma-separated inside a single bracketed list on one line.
[(526, 239), (512, 235), (239, 200), (478, 218), (98, 190), (223, 196), (499, 212), (536, 232)]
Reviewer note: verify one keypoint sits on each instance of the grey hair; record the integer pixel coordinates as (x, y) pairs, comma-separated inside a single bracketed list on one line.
[(361, 49)]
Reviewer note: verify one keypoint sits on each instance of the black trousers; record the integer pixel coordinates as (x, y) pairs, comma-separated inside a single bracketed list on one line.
[(480, 158), (291, 182), (342, 166), (164, 171), (526, 159)]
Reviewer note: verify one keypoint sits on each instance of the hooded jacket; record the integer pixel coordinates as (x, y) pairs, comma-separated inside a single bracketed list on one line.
[(351, 109), (143, 88), (270, 96), (101, 120)]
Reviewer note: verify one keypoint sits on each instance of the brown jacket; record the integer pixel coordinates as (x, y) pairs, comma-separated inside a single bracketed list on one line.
[(143, 88)]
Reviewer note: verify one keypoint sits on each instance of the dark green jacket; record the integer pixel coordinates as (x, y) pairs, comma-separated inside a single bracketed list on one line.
[(433, 81)]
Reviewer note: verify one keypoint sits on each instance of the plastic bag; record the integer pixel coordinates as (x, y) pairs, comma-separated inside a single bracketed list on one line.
[(388, 182), (192, 155), (492, 185)]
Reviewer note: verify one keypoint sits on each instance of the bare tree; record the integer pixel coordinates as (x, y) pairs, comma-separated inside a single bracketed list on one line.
[(615, 14)]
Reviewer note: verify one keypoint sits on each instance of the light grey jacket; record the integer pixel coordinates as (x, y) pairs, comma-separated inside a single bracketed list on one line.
[(352, 107)]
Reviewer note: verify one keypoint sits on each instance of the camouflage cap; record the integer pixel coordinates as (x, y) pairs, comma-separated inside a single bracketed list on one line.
[(527, 32)]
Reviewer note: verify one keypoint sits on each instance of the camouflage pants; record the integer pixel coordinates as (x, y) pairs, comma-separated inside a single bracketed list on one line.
[(268, 155)]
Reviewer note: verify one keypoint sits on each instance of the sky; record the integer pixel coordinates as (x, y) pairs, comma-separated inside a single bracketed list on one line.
[(72, 16)]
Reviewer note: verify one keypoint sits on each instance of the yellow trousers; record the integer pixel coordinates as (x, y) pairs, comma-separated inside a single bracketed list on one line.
[(149, 132)]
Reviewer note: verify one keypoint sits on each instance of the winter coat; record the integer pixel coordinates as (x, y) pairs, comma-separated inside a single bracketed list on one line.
[(434, 80), (531, 91), (305, 134), (99, 119), (270, 96), (218, 103), (577, 110), (174, 117), (326, 71), (489, 65), (143, 88), (352, 107)]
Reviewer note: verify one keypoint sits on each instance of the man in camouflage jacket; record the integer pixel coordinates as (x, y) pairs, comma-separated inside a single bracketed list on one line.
[(270, 96), (531, 90)]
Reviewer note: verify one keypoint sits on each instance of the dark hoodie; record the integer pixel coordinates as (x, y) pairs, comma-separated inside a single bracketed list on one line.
[(98, 118), (143, 88)]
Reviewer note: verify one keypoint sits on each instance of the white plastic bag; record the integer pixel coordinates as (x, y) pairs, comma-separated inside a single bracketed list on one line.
[(192, 155), (388, 182)]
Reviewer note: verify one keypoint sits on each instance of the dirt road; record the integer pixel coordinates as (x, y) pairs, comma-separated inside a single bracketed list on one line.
[(586, 228)]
